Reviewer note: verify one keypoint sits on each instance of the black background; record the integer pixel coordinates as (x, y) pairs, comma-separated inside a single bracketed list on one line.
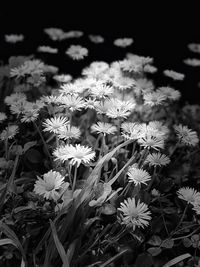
[(160, 30)]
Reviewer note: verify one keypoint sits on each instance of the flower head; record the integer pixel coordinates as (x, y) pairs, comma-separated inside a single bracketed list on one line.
[(123, 42), (157, 159), (138, 176), (186, 135), (154, 98), (174, 75), (14, 38), (77, 52), (47, 49), (188, 194), (76, 154), (103, 127), (54, 124), (69, 132), (9, 132), (3, 116), (134, 214), (49, 186)]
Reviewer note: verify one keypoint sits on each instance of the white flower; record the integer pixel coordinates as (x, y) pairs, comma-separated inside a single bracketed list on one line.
[(103, 127), (29, 116), (49, 186), (76, 154), (188, 194), (97, 39), (55, 33), (77, 52), (14, 38), (3, 116), (68, 88), (123, 83), (170, 93), (101, 91), (9, 132), (130, 130), (138, 176), (157, 159), (96, 69), (54, 124), (154, 98), (120, 109), (134, 214), (123, 42), (194, 62), (151, 141), (47, 49), (71, 102), (62, 78), (174, 75), (69, 132), (15, 98), (186, 135), (194, 47)]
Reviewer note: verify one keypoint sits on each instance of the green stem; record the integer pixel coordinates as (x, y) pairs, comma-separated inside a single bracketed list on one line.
[(75, 177)]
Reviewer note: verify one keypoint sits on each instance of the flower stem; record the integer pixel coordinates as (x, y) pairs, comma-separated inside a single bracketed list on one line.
[(75, 177)]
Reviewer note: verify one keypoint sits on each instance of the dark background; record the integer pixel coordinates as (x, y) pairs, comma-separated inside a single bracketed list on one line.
[(160, 31)]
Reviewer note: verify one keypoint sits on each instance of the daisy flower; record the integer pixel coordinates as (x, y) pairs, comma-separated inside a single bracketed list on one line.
[(30, 116), (194, 62), (9, 132), (55, 33), (76, 154), (123, 42), (120, 109), (160, 129), (123, 83), (14, 38), (101, 91), (62, 78), (103, 127), (47, 49), (138, 176), (150, 68), (68, 88), (77, 52), (14, 98), (91, 103), (194, 47), (134, 214), (54, 124), (151, 141), (96, 69), (102, 107), (131, 66), (3, 117), (188, 194), (73, 34), (72, 102), (97, 39), (170, 93), (186, 135), (49, 186), (157, 159), (154, 98), (174, 75), (130, 130), (69, 132)]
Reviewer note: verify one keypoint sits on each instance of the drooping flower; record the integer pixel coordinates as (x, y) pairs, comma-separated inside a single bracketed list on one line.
[(49, 186), (75, 154), (134, 214)]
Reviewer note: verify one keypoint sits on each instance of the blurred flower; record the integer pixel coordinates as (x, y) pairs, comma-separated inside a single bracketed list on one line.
[(9, 132), (47, 49), (134, 214), (77, 52), (194, 47), (103, 127), (123, 83), (62, 78), (49, 186), (123, 42), (188, 194), (55, 34), (97, 39), (3, 117), (154, 98), (138, 176), (130, 130), (14, 38), (186, 135), (29, 116), (194, 62), (174, 75), (15, 98), (157, 159), (170, 93), (54, 124), (76, 154), (96, 69)]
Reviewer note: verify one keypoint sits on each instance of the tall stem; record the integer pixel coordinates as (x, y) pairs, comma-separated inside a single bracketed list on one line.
[(75, 177), (44, 143)]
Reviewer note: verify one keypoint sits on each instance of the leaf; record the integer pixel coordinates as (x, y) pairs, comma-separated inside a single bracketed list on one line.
[(59, 246), (168, 243), (154, 251), (155, 241), (28, 145), (177, 259)]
